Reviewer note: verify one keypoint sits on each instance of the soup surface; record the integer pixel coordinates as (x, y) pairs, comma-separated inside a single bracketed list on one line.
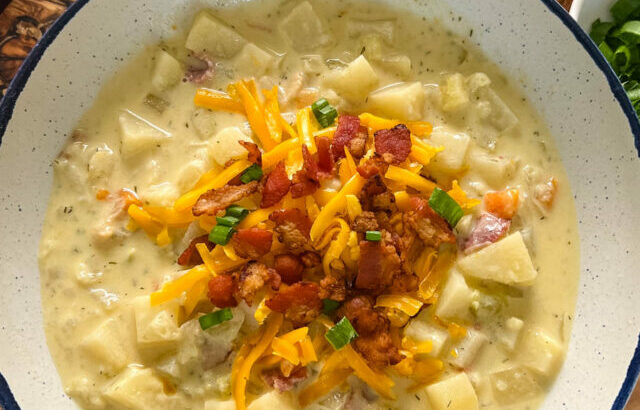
[(326, 205)]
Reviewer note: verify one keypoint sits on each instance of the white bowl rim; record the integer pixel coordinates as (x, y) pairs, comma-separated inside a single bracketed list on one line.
[(7, 105)]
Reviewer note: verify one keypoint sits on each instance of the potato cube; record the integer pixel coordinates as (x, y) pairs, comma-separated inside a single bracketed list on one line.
[(208, 35), (304, 29), (419, 330), (162, 194), (157, 328), (273, 400), (501, 115), (112, 342), (253, 61), (467, 349), (355, 81), (511, 332), (101, 164), (506, 261), (454, 393), (384, 28), (541, 352), (455, 299), (494, 170), (190, 173), (138, 389), (167, 72), (138, 135), (453, 158), (514, 385), (402, 102), (398, 65), (454, 93), (219, 405), (224, 145)]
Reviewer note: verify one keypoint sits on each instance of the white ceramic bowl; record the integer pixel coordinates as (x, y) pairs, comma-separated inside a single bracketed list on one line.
[(535, 42)]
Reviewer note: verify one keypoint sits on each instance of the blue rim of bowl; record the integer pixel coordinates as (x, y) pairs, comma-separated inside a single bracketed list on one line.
[(7, 105)]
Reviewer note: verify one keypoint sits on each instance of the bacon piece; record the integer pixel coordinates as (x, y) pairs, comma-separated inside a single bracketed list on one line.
[(252, 243), (372, 166), (432, 229), (310, 259), (378, 264), (221, 290), (405, 283), (305, 181), (333, 288), (289, 267), (293, 227), (487, 230), (394, 144), (358, 144), (253, 277), (374, 341), (348, 127), (276, 380), (255, 155), (325, 160), (299, 302), (364, 222), (372, 189), (190, 256), (276, 186), (216, 200)]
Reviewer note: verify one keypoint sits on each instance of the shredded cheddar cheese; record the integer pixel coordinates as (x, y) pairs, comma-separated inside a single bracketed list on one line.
[(406, 177), (460, 196), (177, 287)]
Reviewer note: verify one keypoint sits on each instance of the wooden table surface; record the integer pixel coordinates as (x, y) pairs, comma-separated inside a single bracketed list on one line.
[(22, 23)]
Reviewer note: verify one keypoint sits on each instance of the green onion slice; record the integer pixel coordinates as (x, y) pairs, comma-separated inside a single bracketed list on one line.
[(373, 236), (623, 9), (341, 334), (324, 112), (445, 206), (215, 318), (237, 212), (221, 234), (329, 306), (253, 173)]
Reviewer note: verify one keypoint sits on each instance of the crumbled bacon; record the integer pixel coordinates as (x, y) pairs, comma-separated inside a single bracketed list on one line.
[(405, 283), (305, 181), (293, 227), (358, 144), (289, 267), (299, 302), (310, 259), (394, 144), (379, 262), (372, 166), (364, 222), (488, 229), (253, 277), (216, 200), (374, 194), (221, 290), (325, 160), (255, 155), (431, 227), (374, 341), (252, 243), (190, 256), (333, 288), (348, 127), (276, 186), (276, 380)]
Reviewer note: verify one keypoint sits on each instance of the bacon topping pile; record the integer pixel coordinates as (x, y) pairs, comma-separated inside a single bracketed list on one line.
[(293, 227), (221, 290), (289, 267), (252, 243), (253, 277), (394, 145), (349, 133), (276, 186), (299, 302)]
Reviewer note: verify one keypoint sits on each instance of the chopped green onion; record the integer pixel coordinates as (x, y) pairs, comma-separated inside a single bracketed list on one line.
[(329, 306), (600, 30), (237, 212), (623, 9), (253, 173), (215, 318), (445, 206), (324, 112), (221, 234), (227, 220), (341, 334), (373, 236)]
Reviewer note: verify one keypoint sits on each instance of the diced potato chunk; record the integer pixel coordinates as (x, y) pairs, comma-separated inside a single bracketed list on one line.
[(514, 385), (112, 341), (166, 72), (355, 81), (303, 28), (453, 158), (224, 145), (455, 299), (157, 328), (384, 28), (190, 173), (253, 61), (101, 164), (541, 352), (501, 115), (137, 389), (210, 36), (162, 194), (494, 170), (454, 393), (510, 332), (467, 349), (397, 64), (419, 330), (506, 261), (401, 102), (219, 405), (273, 400), (454, 93), (138, 135)]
